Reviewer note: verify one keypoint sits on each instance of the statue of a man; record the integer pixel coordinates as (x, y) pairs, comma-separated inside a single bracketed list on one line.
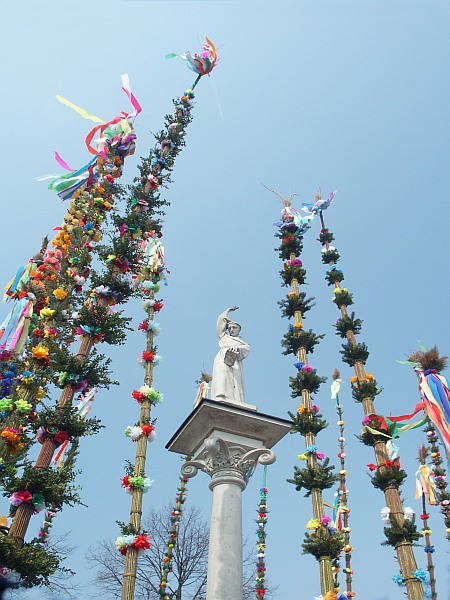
[(228, 375)]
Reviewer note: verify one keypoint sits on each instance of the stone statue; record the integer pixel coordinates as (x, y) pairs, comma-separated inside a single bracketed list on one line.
[(228, 374)]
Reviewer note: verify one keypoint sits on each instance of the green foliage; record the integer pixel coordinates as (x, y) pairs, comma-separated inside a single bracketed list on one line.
[(348, 323), (396, 534), (305, 380), (321, 543), (318, 477), (388, 476), (325, 236), (342, 297), (307, 421), (119, 284), (66, 419), (33, 562), (98, 318), (334, 276), (369, 438), (300, 338), (94, 369), (52, 484), (365, 389), (291, 243), (127, 528), (352, 353), (295, 302), (330, 255), (293, 272)]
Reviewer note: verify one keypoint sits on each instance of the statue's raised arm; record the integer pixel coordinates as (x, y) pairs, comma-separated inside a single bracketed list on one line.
[(228, 374)]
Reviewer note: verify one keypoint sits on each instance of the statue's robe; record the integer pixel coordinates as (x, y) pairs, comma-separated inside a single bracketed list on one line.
[(228, 381)]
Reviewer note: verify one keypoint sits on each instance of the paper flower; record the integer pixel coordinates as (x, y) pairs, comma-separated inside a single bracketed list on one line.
[(154, 327), (60, 294), (312, 524), (6, 404), (20, 497), (409, 513), (398, 579), (40, 352), (385, 512), (133, 432), (23, 406), (421, 575)]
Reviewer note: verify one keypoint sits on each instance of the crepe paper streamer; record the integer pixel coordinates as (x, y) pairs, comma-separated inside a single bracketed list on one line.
[(392, 450), (14, 330), (107, 130), (418, 408), (20, 280), (85, 404), (436, 395), (202, 63), (127, 89), (63, 184), (62, 163), (425, 485), (203, 391), (59, 456), (81, 111)]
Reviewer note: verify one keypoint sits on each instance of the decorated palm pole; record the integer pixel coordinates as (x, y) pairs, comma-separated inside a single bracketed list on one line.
[(260, 583), (154, 172), (435, 395), (388, 475), (323, 541), (175, 519), (341, 507), (56, 284)]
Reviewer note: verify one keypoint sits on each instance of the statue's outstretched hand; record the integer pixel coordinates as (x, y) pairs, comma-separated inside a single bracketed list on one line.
[(233, 308)]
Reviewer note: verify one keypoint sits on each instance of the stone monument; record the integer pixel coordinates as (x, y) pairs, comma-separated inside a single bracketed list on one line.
[(225, 438)]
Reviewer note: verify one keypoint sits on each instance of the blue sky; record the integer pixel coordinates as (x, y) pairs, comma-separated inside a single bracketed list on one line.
[(339, 95)]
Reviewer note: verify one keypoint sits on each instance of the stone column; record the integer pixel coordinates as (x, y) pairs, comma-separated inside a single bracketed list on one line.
[(227, 462)]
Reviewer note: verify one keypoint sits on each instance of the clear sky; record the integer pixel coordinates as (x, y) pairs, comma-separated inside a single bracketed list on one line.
[(349, 95)]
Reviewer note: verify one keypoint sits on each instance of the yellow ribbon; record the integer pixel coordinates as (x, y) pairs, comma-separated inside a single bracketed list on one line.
[(81, 111)]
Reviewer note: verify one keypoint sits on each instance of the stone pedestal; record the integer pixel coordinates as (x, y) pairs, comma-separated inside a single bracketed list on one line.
[(225, 441)]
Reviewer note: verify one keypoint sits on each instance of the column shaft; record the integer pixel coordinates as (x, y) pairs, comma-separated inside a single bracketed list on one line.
[(225, 577)]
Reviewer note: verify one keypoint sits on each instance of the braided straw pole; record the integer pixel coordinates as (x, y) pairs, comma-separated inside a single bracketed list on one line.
[(405, 555)]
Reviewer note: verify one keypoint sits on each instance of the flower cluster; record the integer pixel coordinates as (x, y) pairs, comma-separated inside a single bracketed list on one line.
[(26, 497), (136, 482), (145, 392), (140, 542), (137, 431), (260, 588)]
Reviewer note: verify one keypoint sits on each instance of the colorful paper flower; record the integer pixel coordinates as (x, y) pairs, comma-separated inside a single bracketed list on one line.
[(40, 352), (60, 294)]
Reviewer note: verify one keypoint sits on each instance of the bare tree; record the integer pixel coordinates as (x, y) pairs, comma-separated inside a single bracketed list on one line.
[(189, 565)]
